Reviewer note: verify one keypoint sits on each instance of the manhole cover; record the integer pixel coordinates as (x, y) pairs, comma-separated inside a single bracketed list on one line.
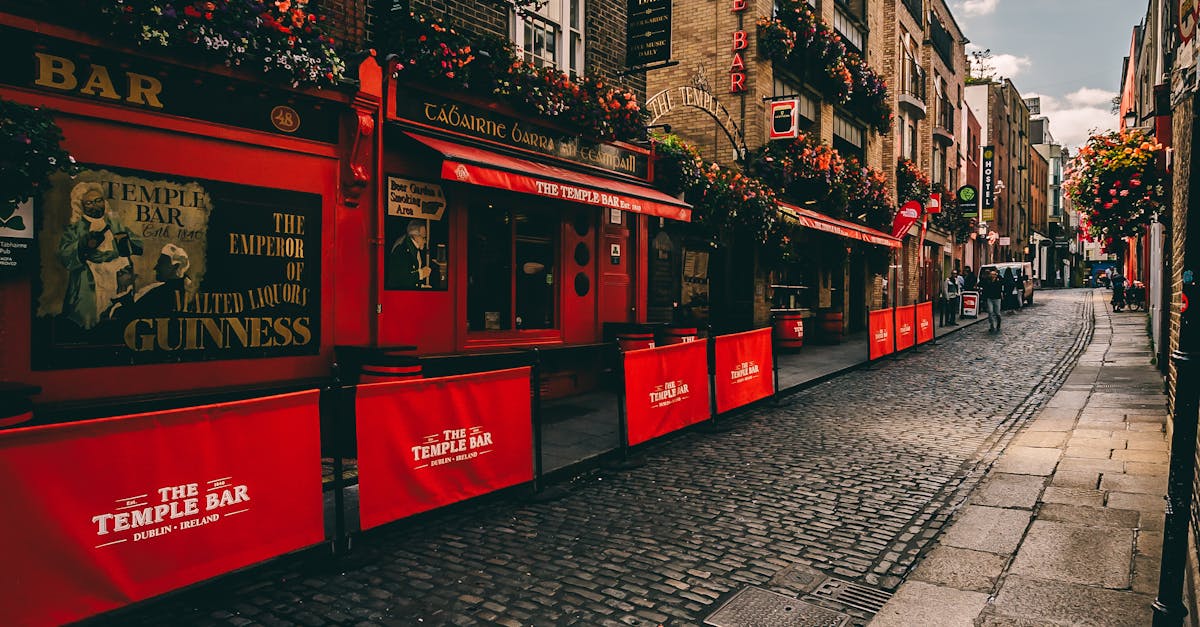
[(798, 578), (852, 595), (755, 607)]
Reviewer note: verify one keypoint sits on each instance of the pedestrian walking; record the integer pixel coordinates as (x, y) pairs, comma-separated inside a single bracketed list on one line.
[(993, 290), (950, 293)]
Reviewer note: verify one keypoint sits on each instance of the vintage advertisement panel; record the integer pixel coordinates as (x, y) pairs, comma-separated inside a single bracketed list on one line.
[(666, 389), (744, 368), (427, 443), (138, 267), (879, 326), (416, 236), (924, 322), (906, 328), (103, 513)]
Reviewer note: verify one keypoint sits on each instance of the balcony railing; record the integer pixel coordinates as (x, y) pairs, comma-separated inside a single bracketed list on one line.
[(912, 79), (912, 87), (945, 115)]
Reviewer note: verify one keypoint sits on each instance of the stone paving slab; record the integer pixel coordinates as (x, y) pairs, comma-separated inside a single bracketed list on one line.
[(1073, 496), (1070, 604), (1075, 479), (990, 529), (1005, 490), (920, 603), (1025, 460), (963, 569), (1141, 484), (1040, 439), (1087, 515), (1094, 556), (1140, 502)]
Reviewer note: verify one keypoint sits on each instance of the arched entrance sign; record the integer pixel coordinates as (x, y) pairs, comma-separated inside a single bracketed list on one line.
[(666, 100)]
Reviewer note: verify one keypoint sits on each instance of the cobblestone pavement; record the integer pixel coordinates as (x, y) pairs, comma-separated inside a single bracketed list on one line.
[(852, 478)]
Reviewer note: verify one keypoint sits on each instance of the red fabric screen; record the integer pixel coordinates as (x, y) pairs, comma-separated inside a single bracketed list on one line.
[(924, 322), (879, 323), (906, 328), (666, 389), (102, 513), (744, 372), (426, 443)]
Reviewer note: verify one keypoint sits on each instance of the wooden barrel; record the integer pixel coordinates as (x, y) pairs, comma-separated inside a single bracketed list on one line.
[(389, 367), (635, 341), (831, 326), (789, 330), (678, 335)]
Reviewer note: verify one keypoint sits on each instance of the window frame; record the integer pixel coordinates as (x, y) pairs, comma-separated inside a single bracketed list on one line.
[(557, 13)]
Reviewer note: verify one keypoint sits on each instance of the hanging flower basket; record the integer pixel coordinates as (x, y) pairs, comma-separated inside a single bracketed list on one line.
[(281, 38), (29, 153), (1117, 185)]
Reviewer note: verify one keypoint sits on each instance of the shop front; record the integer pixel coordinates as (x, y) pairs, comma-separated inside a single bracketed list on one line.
[(194, 248), (830, 285), (499, 232)]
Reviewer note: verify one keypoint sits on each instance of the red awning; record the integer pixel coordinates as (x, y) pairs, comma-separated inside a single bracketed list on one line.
[(477, 166), (822, 222)]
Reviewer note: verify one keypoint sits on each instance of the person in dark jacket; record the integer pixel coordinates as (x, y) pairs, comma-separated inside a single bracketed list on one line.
[(992, 288), (1008, 282), (969, 280)]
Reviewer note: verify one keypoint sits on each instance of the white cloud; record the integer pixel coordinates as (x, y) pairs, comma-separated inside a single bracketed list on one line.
[(1090, 96), (998, 65), (1078, 114), (972, 8)]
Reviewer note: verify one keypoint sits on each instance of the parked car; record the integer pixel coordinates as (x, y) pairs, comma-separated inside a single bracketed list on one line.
[(1017, 267)]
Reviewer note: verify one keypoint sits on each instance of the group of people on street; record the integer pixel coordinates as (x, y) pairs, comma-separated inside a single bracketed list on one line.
[(999, 293)]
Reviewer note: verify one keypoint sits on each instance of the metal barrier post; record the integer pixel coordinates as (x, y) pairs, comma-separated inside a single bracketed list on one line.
[(627, 461), (535, 385)]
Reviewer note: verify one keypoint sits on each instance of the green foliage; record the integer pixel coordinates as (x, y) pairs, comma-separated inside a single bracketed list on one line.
[(429, 51), (285, 38), (29, 153), (1116, 184)]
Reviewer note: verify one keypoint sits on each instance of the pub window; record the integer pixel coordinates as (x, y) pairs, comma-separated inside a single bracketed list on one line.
[(552, 36), (511, 261)]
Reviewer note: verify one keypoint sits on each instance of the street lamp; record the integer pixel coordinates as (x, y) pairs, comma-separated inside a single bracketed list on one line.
[(1131, 119)]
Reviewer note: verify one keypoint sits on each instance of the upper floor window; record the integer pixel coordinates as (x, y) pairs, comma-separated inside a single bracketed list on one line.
[(553, 36), (808, 106), (848, 137), (850, 31)]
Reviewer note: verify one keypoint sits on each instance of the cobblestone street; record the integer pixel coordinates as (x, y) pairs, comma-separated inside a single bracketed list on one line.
[(853, 477)]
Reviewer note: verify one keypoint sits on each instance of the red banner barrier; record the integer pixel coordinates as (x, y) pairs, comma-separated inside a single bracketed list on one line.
[(666, 389), (103, 513), (924, 322), (879, 323), (744, 372), (906, 327), (426, 443)]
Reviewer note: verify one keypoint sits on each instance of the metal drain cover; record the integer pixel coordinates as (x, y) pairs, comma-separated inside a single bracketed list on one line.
[(755, 607), (852, 595)]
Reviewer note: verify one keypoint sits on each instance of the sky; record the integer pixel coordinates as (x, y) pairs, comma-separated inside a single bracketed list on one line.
[(1068, 52)]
